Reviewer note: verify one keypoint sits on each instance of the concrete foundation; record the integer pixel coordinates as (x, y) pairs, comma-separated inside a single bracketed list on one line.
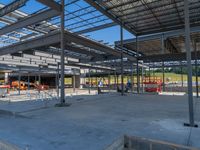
[(138, 143), (94, 122)]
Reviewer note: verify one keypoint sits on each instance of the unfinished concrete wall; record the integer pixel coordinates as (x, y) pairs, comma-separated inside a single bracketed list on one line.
[(137, 143)]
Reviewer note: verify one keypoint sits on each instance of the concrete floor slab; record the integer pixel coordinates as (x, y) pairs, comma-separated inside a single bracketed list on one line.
[(93, 122)]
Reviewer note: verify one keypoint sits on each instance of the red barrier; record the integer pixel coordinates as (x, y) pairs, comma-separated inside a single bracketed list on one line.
[(152, 84)]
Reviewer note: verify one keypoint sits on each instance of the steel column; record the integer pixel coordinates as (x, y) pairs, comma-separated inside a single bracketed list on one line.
[(96, 79), (19, 79), (181, 74), (137, 68), (142, 78), (89, 82), (163, 75), (132, 78), (39, 77), (163, 69), (62, 98), (189, 66), (196, 69), (122, 64), (109, 81), (28, 82), (74, 80), (115, 78), (149, 72), (57, 80)]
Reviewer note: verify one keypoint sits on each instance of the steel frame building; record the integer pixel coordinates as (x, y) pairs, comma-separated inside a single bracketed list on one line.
[(165, 32)]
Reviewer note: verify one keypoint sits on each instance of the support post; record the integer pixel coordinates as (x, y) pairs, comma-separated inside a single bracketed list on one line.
[(163, 75), (149, 72), (28, 82), (57, 80), (89, 82), (62, 98), (62, 57), (115, 79), (19, 82), (133, 81), (163, 67), (142, 77), (122, 64), (109, 82), (189, 66), (96, 79), (6, 78), (181, 74), (132, 78), (137, 68), (74, 82), (196, 69), (39, 77)]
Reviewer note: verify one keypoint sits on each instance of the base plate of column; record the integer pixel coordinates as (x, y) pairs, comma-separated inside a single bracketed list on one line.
[(189, 125), (62, 105)]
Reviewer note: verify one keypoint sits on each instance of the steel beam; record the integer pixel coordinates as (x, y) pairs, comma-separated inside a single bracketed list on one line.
[(94, 45), (52, 4), (82, 51), (167, 57), (29, 21), (173, 33), (95, 5), (84, 66), (45, 40), (100, 27), (54, 38), (12, 7)]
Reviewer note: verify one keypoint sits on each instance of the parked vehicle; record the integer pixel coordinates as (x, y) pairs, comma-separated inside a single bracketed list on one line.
[(19, 85)]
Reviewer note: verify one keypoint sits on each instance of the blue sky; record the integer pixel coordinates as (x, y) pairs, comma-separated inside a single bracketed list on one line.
[(107, 35)]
